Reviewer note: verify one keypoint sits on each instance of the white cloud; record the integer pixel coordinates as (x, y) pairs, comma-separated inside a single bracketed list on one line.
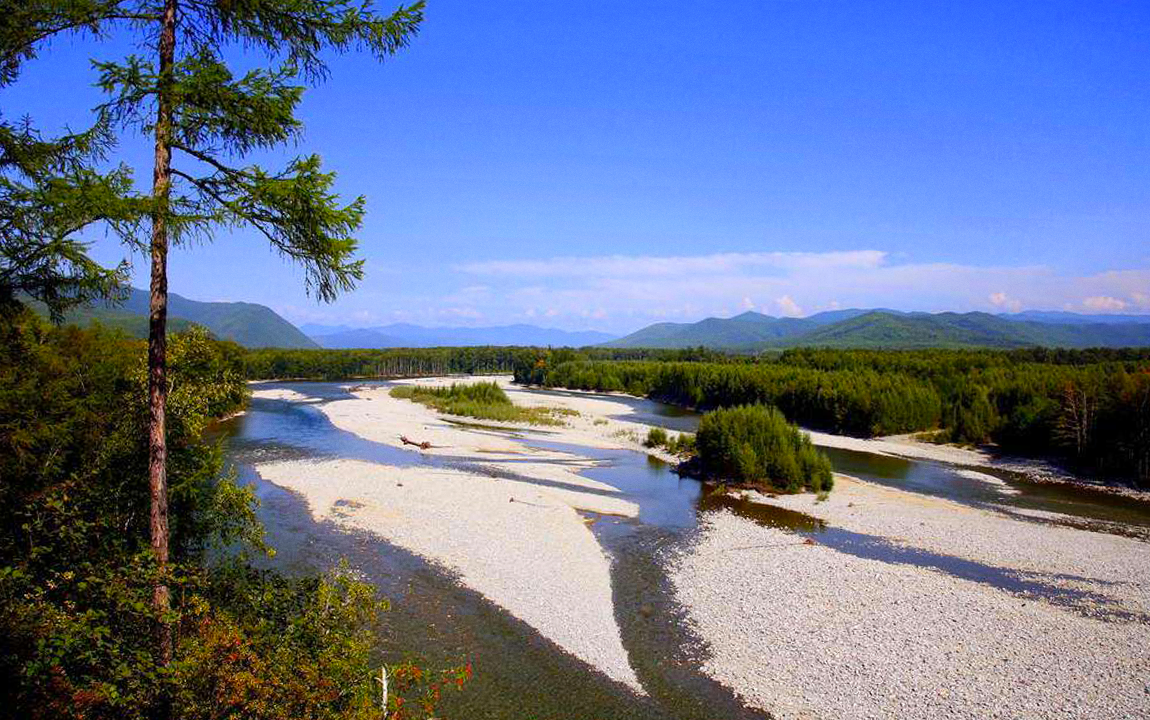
[(1002, 300), (636, 290), (788, 307), (622, 293), (1103, 303), (616, 266)]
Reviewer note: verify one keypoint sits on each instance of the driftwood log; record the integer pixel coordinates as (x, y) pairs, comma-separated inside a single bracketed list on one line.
[(421, 445)]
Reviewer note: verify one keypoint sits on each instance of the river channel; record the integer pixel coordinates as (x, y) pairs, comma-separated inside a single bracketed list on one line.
[(518, 673)]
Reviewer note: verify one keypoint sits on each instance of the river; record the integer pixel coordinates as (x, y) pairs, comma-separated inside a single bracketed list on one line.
[(520, 674)]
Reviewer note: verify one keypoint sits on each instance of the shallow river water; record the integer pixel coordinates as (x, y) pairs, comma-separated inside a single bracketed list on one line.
[(519, 674)]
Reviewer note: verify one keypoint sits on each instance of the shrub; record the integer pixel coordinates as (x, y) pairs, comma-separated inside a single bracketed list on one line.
[(656, 437), (682, 444), (755, 445)]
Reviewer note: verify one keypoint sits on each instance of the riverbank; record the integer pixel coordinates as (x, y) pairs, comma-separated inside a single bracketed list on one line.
[(908, 446), (926, 609)]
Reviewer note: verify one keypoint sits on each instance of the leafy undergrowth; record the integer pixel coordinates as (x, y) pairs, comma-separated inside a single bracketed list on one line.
[(485, 401)]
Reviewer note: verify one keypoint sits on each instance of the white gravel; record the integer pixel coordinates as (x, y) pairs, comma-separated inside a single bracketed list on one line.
[(907, 446), (804, 631), (1111, 565)]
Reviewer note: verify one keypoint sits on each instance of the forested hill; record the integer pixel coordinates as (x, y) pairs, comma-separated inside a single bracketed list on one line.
[(890, 329), (249, 324)]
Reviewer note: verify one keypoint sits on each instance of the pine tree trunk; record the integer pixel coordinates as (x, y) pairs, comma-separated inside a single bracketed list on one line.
[(157, 330)]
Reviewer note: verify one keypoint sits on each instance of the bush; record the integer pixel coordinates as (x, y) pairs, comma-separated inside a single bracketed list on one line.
[(656, 437), (755, 445), (682, 444)]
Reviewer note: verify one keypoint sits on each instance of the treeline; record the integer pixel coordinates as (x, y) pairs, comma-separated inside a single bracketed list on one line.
[(857, 403), (1090, 407), (285, 364), (77, 573)]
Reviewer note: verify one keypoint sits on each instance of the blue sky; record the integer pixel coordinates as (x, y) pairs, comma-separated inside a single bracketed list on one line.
[(608, 165)]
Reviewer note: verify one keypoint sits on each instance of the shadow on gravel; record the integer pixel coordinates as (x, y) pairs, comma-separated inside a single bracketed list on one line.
[(1039, 586)]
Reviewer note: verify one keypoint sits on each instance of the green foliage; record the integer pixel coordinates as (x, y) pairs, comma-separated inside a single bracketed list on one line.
[(754, 445), (1088, 407), (656, 437), (76, 569), (858, 402), (682, 444), (53, 188), (48, 194), (218, 116), (528, 364), (484, 400), (50, 189), (278, 364)]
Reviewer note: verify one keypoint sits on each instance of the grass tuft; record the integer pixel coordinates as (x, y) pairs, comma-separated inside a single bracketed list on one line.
[(485, 401)]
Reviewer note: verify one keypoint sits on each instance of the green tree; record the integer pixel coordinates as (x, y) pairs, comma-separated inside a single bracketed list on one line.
[(203, 118), (50, 189)]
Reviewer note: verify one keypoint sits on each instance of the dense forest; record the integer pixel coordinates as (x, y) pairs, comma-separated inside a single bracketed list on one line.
[(287, 364), (1090, 407), (77, 573)]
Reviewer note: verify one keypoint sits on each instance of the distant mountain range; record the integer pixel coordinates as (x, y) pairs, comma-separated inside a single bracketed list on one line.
[(413, 336), (859, 328), (248, 324), (253, 325)]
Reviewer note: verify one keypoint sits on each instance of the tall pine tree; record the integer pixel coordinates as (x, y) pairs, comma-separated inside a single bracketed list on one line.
[(205, 120)]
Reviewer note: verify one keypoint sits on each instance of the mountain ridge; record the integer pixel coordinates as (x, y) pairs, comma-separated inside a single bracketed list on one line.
[(249, 324), (883, 328)]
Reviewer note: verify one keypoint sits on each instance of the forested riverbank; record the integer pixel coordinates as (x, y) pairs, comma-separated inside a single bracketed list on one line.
[(291, 364), (1089, 408)]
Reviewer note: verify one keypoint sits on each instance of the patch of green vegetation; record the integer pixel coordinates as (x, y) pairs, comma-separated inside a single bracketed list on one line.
[(656, 437), (755, 445), (682, 444), (485, 401)]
